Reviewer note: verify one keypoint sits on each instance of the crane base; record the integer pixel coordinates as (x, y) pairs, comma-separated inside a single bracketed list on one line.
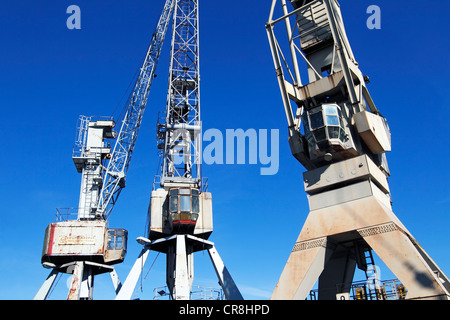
[(179, 250), (342, 221), (82, 284)]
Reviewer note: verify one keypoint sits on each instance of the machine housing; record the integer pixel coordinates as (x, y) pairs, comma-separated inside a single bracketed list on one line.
[(85, 241)]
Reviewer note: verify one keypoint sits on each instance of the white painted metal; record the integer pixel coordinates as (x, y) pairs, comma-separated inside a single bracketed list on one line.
[(180, 251), (81, 287), (83, 240), (230, 289), (87, 283), (374, 131), (159, 227), (88, 159), (115, 280), (75, 238), (351, 216), (174, 230), (342, 145), (103, 177), (182, 289), (43, 292), (182, 126), (127, 289)]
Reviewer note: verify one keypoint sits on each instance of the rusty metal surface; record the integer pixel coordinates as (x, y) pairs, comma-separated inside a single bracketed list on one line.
[(74, 290), (76, 238)]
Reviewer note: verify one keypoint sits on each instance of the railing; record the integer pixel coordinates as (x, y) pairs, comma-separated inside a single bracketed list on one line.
[(206, 293), (79, 147), (81, 137), (203, 187), (367, 290), (197, 293), (156, 182), (66, 214)]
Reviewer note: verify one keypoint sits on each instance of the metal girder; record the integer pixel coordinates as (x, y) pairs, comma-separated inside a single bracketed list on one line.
[(43, 292), (230, 289), (179, 250), (116, 171), (182, 126), (127, 289)]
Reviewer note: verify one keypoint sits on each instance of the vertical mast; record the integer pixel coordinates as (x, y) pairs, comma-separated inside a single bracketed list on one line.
[(180, 211), (182, 127)]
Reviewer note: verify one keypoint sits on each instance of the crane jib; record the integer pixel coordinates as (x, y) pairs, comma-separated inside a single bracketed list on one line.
[(115, 173)]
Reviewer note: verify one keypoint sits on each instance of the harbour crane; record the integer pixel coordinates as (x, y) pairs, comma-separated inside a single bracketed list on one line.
[(180, 211), (341, 139), (86, 246)]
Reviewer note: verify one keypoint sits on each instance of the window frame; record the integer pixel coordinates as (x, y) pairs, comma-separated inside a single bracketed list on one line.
[(192, 194)]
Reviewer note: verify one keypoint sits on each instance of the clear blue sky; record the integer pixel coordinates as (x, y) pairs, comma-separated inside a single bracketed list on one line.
[(49, 75)]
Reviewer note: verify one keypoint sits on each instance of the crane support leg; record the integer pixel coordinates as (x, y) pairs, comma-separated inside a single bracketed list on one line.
[(225, 280), (77, 276), (115, 280), (420, 277), (82, 284), (180, 266), (87, 283), (345, 216), (126, 292), (338, 273), (47, 285), (303, 268)]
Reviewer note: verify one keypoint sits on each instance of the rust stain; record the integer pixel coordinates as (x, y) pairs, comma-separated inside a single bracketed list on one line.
[(74, 287)]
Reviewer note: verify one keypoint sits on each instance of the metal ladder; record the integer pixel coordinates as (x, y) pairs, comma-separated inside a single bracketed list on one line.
[(372, 276)]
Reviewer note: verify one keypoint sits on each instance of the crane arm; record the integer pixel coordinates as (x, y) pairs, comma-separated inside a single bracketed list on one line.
[(116, 170)]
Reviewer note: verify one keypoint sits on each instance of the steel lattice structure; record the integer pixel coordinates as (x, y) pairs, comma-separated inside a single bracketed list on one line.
[(115, 175), (87, 247), (180, 211), (180, 132)]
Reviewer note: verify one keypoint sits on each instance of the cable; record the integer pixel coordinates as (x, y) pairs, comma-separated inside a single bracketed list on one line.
[(54, 286), (142, 280)]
